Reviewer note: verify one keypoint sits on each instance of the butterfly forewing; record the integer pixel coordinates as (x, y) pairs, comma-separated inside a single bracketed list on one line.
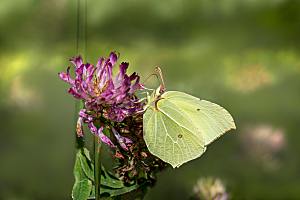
[(210, 119)]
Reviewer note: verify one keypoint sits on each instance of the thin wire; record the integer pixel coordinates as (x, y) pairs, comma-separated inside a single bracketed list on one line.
[(77, 26), (96, 145), (85, 30), (78, 141)]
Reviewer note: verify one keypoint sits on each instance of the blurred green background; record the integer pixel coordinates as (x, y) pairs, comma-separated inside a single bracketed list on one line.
[(241, 54)]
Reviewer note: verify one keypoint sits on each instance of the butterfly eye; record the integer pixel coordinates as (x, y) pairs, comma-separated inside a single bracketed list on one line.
[(179, 136), (198, 109)]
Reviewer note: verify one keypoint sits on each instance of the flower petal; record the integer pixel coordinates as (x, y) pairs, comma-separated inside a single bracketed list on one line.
[(66, 76), (93, 128), (113, 58), (104, 138), (74, 93), (79, 128), (123, 141), (100, 134), (77, 61)]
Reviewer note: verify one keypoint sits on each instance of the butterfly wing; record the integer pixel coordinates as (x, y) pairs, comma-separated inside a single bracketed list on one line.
[(210, 119), (172, 142)]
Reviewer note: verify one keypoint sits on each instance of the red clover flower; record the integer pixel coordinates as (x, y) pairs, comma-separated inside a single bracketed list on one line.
[(107, 99)]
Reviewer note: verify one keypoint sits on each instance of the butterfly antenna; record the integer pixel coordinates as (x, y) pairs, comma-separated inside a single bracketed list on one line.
[(160, 74), (154, 74)]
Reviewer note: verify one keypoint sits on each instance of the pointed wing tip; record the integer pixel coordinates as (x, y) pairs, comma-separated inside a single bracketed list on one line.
[(175, 166), (233, 126)]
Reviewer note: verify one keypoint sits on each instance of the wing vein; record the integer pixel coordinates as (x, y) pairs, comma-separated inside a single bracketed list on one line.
[(179, 124)]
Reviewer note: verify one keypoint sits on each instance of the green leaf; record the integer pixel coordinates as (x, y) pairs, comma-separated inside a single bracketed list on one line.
[(109, 180), (82, 189), (86, 153), (112, 192), (82, 186), (86, 164), (111, 186), (78, 172)]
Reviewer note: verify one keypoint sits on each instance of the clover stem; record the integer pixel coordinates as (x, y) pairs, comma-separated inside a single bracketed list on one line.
[(97, 166)]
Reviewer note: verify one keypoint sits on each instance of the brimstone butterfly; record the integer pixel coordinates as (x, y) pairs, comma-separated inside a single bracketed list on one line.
[(178, 126)]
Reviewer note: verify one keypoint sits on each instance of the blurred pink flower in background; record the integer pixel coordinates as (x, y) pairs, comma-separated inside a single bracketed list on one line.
[(210, 189), (264, 143), (250, 78)]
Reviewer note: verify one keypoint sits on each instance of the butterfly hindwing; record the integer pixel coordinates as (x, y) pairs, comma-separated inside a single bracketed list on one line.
[(171, 142)]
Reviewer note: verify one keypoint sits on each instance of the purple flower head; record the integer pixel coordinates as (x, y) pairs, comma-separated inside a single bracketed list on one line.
[(100, 90), (104, 95)]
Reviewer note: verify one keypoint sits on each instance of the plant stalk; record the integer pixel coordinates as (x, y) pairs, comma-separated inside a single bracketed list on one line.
[(97, 166)]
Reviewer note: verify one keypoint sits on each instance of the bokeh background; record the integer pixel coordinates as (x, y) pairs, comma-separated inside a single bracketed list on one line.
[(241, 54)]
